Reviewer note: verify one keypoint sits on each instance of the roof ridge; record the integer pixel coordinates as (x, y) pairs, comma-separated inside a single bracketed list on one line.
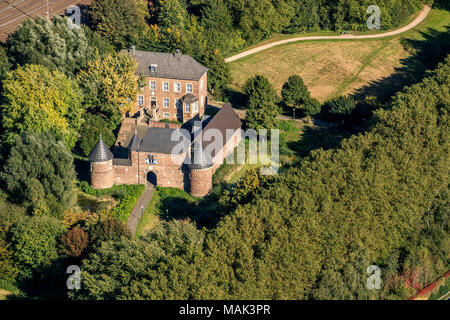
[(100, 152)]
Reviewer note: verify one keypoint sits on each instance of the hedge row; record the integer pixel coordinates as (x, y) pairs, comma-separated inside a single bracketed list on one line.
[(123, 210), (128, 195)]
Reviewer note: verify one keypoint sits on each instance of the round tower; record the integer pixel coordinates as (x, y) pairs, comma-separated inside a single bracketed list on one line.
[(200, 171), (100, 159)]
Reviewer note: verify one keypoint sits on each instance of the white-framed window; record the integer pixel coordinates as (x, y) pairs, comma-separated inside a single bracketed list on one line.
[(153, 85), (196, 106), (165, 86), (152, 101), (166, 102), (166, 114), (153, 67), (188, 107), (177, 87), (201, 84), (140, 100), (201, 101), (189, 88)]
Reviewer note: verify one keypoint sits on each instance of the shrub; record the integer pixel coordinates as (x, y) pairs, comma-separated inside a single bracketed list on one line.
[(339, 109), (123, 209), (74, 242), (106, 229)]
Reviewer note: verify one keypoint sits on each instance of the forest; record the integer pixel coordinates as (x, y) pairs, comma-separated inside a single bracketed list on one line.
[(379, 197)]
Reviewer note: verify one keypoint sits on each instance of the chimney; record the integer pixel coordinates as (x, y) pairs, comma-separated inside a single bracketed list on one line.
[(177, 53), (133, 50)]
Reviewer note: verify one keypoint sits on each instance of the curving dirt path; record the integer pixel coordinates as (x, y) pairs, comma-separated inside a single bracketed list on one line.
[(422, 15)]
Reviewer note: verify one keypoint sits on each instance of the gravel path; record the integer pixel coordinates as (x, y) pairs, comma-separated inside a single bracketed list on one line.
[(422, 15), (139, 208)]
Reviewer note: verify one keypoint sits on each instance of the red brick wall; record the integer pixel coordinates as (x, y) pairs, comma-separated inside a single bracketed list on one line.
[(197, 90), (159, 124), (201, 182), (168, 171), (102, 175)]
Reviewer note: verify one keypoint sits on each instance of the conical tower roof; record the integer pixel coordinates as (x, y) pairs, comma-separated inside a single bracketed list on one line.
[(101, 152), (199, 159), (135, 142)]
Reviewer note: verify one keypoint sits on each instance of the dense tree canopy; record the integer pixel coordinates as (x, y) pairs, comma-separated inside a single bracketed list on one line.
[(117, 20), (39, 174), (110, 85), (259, 91), (294, 92), (91, 129), (313, 231), (219, 72), (53, 45), (35, 243), (39, 100)]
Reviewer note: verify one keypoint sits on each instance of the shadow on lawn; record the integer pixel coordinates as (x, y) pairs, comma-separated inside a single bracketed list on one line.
[(320, 137), (202, 212), (427, 53)]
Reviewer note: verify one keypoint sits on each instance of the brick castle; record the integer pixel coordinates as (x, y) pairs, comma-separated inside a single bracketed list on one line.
[(145, 151)]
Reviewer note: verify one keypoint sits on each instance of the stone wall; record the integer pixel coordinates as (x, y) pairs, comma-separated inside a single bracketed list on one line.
[(102, 175)]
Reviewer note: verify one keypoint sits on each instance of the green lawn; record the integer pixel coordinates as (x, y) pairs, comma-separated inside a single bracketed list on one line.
[(282, 36), (151, 217), (335, 67)]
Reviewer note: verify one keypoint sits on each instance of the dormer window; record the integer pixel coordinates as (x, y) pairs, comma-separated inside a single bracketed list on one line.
[(153, 68)]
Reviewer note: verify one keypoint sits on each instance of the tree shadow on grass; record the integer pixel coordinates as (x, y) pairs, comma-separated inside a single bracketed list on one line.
[(320, 137), (202, 211), (237, 99), (47, 284), (427, 53)]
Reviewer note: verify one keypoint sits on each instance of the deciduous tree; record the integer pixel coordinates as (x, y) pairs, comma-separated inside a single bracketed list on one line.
[(118, 20), (38, 100), (110, 86), (39, 174), (52, 44)]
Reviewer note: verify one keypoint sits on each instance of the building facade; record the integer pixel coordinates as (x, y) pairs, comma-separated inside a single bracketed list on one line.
[(148, 153), (175, 86)]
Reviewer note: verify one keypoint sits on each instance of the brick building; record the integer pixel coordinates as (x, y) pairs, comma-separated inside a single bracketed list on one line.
[(175, 86), (145, 152)]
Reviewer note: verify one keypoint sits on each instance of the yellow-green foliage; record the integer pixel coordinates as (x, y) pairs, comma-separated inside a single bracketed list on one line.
[(38, 100), (110, 85)]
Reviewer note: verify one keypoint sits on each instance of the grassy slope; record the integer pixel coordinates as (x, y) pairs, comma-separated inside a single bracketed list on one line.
[(282, 36), (331, 67)]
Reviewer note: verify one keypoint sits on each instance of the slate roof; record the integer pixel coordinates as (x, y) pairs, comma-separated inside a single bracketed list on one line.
[(101, 152), (159, 140), (199, 159), (169, 65), (224, 119), (135, 142)]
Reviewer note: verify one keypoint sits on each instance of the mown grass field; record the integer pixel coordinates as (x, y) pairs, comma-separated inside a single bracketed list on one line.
[(334, 67)]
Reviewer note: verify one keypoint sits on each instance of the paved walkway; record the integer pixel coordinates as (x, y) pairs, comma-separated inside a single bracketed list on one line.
[(422, 15), (139, 208)]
